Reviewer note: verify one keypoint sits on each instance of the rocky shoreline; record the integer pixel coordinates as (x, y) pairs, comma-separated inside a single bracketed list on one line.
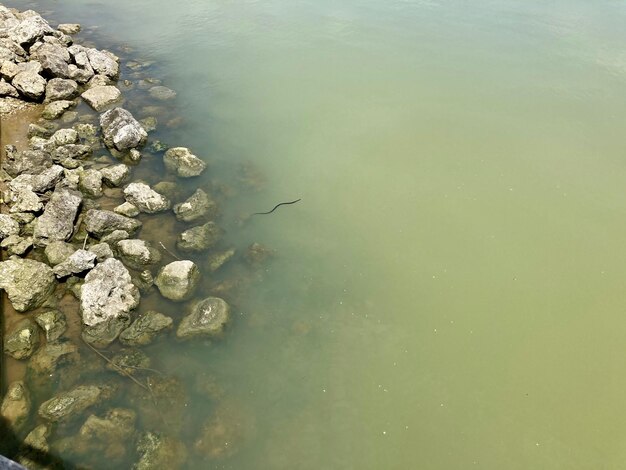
[(76, 271)]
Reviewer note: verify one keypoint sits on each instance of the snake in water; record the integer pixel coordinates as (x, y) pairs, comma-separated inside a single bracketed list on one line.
[(276, 207)]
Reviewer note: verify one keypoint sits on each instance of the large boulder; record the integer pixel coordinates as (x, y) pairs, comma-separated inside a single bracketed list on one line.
[(101, 97), (121, 130), (27, 31), (68, 404), (199, 205), (28, 283), (178, 280), (30, 84), (61, 89), (207, 318), (59, 216), (181, 161), (199, 238), (145, 198), (104, 63), (101, 223), (108, 293)]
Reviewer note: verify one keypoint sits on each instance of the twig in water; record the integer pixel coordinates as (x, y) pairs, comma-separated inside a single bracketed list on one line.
[(130, 376), (169, 252), (276, 207)]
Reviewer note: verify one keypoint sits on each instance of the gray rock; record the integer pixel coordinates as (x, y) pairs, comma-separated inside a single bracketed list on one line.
[(199, 205), (54, 60), (181, 161), (17, 245), (6, 89), (146, 199), (59, 216), (101, 223), (58, 251), (22, 340), (178, 280), (101, 97), (104, 333), (53, 323), (30, 29), (138, 253), (64, 137), (217, 260), (104, 62), (30, 84), (68, 152), (68, 404), (115, 175), (79, 262), (69, 28), (100, 80), (56, 109), (90, 183), (121, 130), (108, 293), (61, 89), (207, 318), (16, 406), (25, 200), (128, 361), (8, 70), (199, 238), (28, 283), (8, 226), (145, 328), (127, 209), (40, 183), (115, 236), (102, 251), (28, 161), (162, 93), (156, 452)]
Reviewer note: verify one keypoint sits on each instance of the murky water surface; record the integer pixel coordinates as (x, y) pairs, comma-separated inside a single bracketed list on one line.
[(449, 293)]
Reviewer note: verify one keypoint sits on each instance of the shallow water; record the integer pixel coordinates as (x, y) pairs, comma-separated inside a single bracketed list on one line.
[(449, 293)]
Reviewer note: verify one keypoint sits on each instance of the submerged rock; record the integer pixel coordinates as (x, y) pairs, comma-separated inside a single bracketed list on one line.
[(127, 209), (207, 318), (121, 130), (178, 280), (115, 175), (104, 333), (59, 216), (49, 357), (69, 28), (199, 238), (68, 404), (157, 452), (129, 361), (22, 340), (222, 435), (34, 447), (217, 260), (56, 109), (258, 254), (199, 205), (181, 161), (53, 323), (146, 199), (162, 93), (16, 406), (28, 283), (145, 328), (100, 223), (79, 262)]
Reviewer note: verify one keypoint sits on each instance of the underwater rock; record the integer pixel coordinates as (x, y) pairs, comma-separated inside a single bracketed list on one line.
[(35, 445), (181, 161), (53, 323), (28, 283), (16, 406), (101, 97), (257, 254), (145, 328), (108, 293), (78, 262), (217, 260), (101, 223), (59, 216), (199, 238), (61, 89), (127, 209), (199, 205), (168, 188), (69, 28), (178, 280), (128, 361), (30, 85), (207, 318), (138, 253), (162, 93), (56, 109), (49, 357), (146, 199), (22, 340), (121, 130), (157, 452), (222, 435), (67, 405), (115, 175), (105, 332), (58, 251), (8, 226)]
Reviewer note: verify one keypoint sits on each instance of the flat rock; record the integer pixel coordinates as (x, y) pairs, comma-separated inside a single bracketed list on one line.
[(101, 223), (59, 216), (101, 97)]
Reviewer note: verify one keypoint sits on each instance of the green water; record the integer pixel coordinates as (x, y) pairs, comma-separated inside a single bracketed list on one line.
[(449, 293)]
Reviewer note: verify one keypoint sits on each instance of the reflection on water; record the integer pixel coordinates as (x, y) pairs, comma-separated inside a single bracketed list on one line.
[(449, 291)]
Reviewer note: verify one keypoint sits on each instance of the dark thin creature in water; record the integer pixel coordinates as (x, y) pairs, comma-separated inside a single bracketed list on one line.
[(276, 207)]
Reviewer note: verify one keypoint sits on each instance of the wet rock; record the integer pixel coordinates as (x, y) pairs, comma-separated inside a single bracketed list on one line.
[(181, 161), (71, 152), (28, 283), (30, 85), (61, 89), (258, 254), (217, 260), (199, 205), (156, 146), (17, 245), (127, 209), (149, 123), (53, 323), (29, 161), (90, 183), (129, 361), (162, 93), (104, 333), (58, 251), (104, 63), (34, 447), (79, 262), (178, 280), (59, 216), (69, 117), (145, 328), (108, 293), (100, 223), (134, 155), (156, 452), (41, 130), (115, 175), (168, 189), (207, 318), (223, 434), (121, 130), (49, 358), (22, 340), (138, 253), (199, 238), (64, 137), (8, 226), (69, 28), (102, 96), (67, 405), (146, 199), (102, 251), (56, 109), (16, 406), (100, 80)]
